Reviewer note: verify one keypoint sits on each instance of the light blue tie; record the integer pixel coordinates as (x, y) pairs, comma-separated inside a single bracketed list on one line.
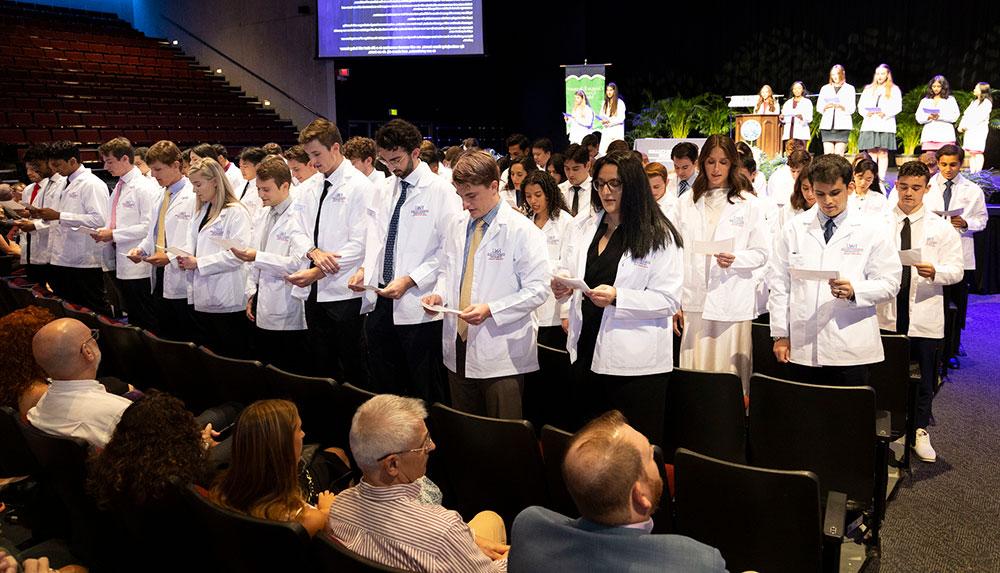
[(388, 272)]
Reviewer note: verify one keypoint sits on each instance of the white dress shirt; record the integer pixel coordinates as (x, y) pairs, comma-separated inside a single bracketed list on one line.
[(80, 409)]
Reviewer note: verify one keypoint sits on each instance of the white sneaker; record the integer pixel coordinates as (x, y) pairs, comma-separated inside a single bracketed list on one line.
[(923, 447)]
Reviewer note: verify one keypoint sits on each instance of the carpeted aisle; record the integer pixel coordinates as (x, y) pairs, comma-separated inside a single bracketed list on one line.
[(947, 517)]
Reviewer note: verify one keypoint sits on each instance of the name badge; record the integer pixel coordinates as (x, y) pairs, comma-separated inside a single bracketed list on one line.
[(419, 211), (339, 198), (216, 231), (182, 216), (282, 236), (852, 249), (737, 221), (496, 255), (129, 204)]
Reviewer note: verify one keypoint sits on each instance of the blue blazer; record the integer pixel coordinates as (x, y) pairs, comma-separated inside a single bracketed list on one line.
[(545, 541)]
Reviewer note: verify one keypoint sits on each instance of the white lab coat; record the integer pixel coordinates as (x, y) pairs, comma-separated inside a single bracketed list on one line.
[(976, 123), (581, 124), (376, 177), (82, 203), (278, 255), (759, 184), (970, 198), (584, 201), (795, 128), (135, 207), (177, 222), (873, 97), (835, 118), (940, 246), (672, 185), (668, 206), (773, 222), (615, 130), (828, 331), (723, 294), (48, 195), (874, 203), (342, 230), (218, 285), (235, 177), (431, 203), (556, 233), (636, 333), (941, 129), (781, 185), (511, 274), (763, 108), (251, 199)]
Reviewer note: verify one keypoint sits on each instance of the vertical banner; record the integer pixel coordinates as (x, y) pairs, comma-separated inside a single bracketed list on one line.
[(590, 79)]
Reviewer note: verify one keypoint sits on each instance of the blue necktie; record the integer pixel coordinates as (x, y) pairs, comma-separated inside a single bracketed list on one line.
[(388, 272), (947, 193), (828, 230)]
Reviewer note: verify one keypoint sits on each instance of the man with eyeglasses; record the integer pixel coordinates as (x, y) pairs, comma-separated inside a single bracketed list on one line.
[(394, 515)]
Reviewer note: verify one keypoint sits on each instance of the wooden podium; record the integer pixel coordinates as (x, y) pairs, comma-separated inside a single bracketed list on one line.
[(770, 135)]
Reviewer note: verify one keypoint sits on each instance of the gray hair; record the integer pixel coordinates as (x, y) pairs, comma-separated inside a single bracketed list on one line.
[(383, 425)]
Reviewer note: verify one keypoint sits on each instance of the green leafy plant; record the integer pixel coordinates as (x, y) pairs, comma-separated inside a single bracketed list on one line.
[(852, 139), (907, 129), (682, 113), (712, 117), (768, 166), (814, 127)]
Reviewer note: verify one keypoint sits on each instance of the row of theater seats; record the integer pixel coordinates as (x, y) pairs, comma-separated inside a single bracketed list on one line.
[(825, 449)]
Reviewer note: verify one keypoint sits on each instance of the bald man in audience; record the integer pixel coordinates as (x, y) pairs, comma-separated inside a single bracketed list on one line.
[(611, 475)]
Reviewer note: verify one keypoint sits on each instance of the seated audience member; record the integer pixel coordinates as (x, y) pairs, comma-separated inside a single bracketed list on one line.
[(611, 475), (360, 151), (35, 565), (394, 516), (76, 405), (263, 480), (22, 380)]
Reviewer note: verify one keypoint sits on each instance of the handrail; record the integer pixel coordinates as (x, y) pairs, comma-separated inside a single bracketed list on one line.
[(242, 67)]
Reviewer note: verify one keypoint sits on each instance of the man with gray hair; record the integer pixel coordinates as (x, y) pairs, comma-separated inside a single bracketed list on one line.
[(394, 515), (612, 477)]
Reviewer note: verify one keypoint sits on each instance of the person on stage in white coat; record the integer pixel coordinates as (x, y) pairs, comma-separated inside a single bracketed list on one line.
[(867, 196), (937, 112), (612, 117), (629, 255), (796, 114), (719, 298), (975, 125), (880, 101), (766, 103), (580, 121), (216, 278), (836, 103), (827, 327), (277, 249), (918, 309), (495, 272)]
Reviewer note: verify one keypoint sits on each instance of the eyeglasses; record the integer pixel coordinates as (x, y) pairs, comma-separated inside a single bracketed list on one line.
[(94, 335), (392, 162), (426, 445), (613, 184)]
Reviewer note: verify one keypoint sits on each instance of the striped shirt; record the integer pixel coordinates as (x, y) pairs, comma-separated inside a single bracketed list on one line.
[(389, 525)]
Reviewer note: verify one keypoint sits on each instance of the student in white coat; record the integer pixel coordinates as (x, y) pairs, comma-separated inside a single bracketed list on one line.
[(580, 121), (836, 102), (828, 329), (333, 220), (495, 272), (782, 181), (879, 103), (247, 195), (684, 156), (34, 237), (975, 125), (576, 187), (305, 177), (612, 117), (867, 196), (620, 340), (83, 204), (130, 212), (277, 250), (406, 223), (937, 112), (918, 309), (949, 191), (766, 103), (796, 115), (360, 151), (659, 179), (772, 221), (216, 278), (546, 390), (719, 300), (512, 188), (173, 209), (802, 200)]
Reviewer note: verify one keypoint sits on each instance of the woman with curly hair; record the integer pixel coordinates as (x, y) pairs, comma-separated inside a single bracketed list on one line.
[(22, 380), (263, 479)]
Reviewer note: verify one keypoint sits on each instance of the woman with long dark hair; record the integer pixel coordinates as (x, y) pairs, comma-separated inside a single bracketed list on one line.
[(629, 255), (612, 117), (937, 112), (718, 302)]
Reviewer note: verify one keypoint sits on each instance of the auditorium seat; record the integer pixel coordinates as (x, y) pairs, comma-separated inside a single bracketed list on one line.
[(330, 556), (15, 457), (834, 431), (172, 362), (759, 519), (705, 413), (83, 314), (317, 400), (221, 379), (555, 443), (488, 463), (764, 361), (896, 390), (126, 355), (50, 303)]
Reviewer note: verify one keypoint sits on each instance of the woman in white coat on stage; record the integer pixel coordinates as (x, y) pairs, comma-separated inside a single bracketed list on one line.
[(216, 277), (580, 121), (836, 103), (612, 117), (796, 114), (629, 255), (937, 112), (718, 302), (880, 101), (975, 125)]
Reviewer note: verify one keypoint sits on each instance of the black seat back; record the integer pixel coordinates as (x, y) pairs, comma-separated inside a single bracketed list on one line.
[(124, 354), (555, 444), (764, 361), (22, 294), (332, 557), (175, 366), (829, 430), (317, 400), (489, 463), (241, 543), (705, 413), (51, 303), (16, 458), (759, 519), (891, 380), (80, 313), (226, 380)]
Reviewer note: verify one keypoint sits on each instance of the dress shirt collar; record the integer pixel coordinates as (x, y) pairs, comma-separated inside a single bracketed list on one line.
[(280, 208), (73, 176), (914, 216), (172, 189), (487, 218), (409, 491), (338, 174), (837, 221), (132, 174)]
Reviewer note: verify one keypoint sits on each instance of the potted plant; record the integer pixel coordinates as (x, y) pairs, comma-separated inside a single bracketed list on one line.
[(907, 129), (712, 116), (682, 113)]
